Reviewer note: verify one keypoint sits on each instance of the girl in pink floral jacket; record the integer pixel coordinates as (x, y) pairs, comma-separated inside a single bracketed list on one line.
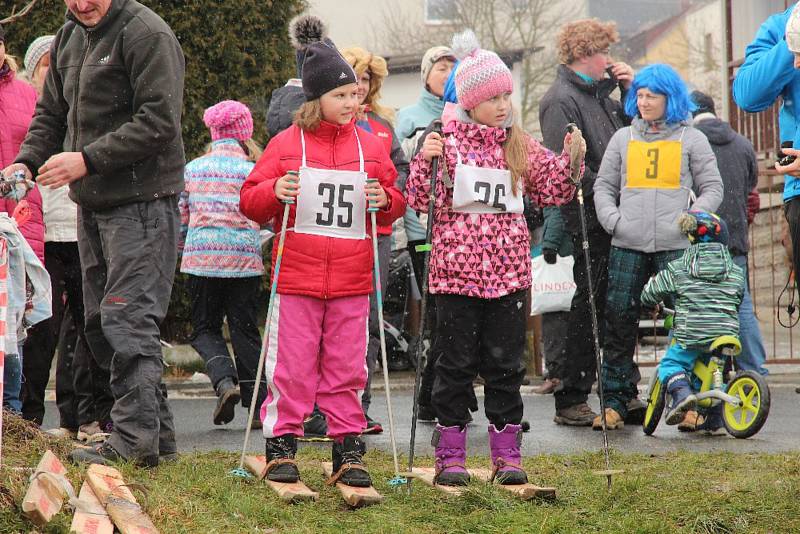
[(480, 264)]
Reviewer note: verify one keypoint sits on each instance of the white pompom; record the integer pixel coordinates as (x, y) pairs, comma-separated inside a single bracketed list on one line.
[(465, 43)]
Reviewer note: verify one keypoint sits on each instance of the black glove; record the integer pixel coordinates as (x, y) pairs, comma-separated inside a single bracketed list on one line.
[(549, 255)]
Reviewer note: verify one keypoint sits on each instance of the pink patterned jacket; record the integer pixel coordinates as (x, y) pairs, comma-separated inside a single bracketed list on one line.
[(484, 255)]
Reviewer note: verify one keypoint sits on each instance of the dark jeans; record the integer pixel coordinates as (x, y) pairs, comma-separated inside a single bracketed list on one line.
[(479, 336), (791, 211), (237, 299), (128, 254), (555, 327), (579, 369), (374, 344), (83, 392), (628, 272)]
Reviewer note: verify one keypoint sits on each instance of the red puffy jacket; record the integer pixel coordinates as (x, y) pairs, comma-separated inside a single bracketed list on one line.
[(17, 104), (317, 266)]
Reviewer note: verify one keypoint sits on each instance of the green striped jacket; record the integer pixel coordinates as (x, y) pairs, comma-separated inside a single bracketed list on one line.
[(708, 289)]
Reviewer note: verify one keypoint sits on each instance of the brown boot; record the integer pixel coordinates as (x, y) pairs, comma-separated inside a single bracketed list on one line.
[(613, 420), (547, 387), (575, 415), (691, 421)]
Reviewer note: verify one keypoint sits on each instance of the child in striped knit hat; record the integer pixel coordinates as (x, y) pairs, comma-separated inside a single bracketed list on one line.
[(480, 265), (222, 257), (708, 289)]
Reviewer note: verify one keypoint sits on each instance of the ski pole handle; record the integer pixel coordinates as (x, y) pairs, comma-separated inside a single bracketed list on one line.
[(293, 173), (372, 207)]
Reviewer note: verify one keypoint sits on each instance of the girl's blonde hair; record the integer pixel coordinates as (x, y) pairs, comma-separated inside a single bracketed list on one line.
[(12, 63), (252, 148), (309, 115), (515, 151), (362, 61)]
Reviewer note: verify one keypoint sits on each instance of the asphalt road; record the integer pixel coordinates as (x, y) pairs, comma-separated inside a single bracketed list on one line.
[(780, 433)]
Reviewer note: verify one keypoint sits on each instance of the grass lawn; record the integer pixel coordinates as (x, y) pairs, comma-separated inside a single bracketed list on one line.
[(683, 492)]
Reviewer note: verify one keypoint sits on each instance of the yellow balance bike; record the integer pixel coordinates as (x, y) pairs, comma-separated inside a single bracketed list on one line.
[(745, 396)]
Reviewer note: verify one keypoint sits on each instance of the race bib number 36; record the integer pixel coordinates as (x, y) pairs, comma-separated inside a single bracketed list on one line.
[(331, 203), (654, 165)]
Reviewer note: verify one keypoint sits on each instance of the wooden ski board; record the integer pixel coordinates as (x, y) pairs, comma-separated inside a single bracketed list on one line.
[(93, 521), (354, 497), (44, 497), (526, 492), (110, 489), (296, 492), (426, 474)]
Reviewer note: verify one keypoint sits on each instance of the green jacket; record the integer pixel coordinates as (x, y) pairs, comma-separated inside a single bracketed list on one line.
[(708, 289), (115, 93), (554, 233)]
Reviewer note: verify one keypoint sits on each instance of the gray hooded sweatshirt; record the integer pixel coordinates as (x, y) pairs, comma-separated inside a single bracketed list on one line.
[(645, 218)]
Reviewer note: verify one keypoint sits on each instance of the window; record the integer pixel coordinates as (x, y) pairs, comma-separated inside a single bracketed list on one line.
[(441, 11)]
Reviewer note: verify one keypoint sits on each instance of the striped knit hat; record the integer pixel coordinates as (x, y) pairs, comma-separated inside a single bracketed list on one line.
[(229, 120), (37, 49), (481, 75)]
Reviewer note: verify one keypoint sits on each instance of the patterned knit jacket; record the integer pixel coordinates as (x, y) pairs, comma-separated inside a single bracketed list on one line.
[(708, 289), (220, 242), (484, 255)]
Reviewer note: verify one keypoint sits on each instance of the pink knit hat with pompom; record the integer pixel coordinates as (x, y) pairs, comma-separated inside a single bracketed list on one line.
[(481, 75), (229, 120)]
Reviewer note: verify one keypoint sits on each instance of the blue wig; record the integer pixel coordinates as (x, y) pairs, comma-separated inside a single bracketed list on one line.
[(663, 80), (450, 86)]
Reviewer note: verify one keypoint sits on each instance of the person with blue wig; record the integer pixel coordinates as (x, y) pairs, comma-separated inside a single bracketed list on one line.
[(652, 171)]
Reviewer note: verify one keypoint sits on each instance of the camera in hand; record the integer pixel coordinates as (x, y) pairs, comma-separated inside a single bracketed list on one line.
[(785, 159)]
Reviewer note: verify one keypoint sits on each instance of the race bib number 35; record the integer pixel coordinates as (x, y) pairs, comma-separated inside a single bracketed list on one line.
[(654, 165), (331, 203)]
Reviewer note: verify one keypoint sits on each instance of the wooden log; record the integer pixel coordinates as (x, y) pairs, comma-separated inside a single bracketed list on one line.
[(46, 492), (426, 474), (353, 496), (90, 517), (296, 492), (525, 492), (110, 489)]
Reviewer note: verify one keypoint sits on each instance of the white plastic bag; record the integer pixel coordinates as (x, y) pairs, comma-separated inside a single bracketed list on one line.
[(553, 285)]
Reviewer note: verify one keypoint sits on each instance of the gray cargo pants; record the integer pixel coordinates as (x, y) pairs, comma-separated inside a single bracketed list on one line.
[(128, 255)]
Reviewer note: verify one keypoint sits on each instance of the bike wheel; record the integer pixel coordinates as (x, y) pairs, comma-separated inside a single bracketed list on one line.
[(655, 406), (753, 392)]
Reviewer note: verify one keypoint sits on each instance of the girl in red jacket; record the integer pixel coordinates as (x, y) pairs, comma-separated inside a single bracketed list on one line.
[(480, 266), (318, 334)]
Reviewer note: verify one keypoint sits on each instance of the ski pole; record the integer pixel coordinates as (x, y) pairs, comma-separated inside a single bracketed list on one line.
[(397, 480), (426, 249), (241, 471), (575, 173)]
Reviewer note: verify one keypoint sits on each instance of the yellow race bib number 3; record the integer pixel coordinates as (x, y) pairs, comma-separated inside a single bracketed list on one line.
[(654, 165)]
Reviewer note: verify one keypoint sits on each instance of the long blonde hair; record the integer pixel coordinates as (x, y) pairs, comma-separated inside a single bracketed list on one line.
[(362, 61), (309, 115), (12, 62), (252, 149), (515, 151)]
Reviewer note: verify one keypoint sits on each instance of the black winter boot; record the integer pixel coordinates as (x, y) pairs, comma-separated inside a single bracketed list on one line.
[(228, 396), (280, 459), (347, 457)]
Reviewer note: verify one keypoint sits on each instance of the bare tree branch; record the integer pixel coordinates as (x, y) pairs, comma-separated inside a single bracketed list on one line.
[(501, 25), (18, 15)]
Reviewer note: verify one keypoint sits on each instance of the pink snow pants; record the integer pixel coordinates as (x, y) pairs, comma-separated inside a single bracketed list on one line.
[(316, 352)]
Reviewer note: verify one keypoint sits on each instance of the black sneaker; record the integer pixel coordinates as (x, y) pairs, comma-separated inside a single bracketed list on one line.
[(315, 427), (350, 454), (373, 427), (228, 396), (636, 411), (282, 451), (425, 414)]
